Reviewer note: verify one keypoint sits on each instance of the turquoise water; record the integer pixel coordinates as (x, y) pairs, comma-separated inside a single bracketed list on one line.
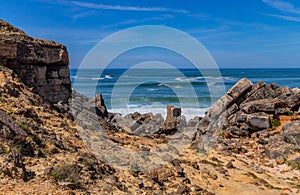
[(150, 90)]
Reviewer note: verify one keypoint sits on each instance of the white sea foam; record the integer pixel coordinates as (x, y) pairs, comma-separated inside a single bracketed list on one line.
[(108, 77), (96, 78), (183, 79), (189, 113), (152, 89)]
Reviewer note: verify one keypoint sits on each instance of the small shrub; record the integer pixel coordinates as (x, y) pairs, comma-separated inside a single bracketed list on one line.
[(275, 123), (22, 126), (57, 108), (289, 113), (123, 188), (68, 173), (294, 164), (4, 149), (252, 175)]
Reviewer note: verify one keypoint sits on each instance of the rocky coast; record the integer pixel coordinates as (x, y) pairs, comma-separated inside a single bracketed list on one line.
[(57, 141)]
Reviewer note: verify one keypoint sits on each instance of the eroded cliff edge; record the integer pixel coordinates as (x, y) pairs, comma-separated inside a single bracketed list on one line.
[(41, 64)]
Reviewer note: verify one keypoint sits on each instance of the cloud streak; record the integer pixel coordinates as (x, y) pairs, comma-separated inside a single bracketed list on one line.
[(282, 6), (125, 8), (288, 18)]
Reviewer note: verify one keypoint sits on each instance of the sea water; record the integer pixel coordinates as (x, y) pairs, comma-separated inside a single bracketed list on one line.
[(151, 90)]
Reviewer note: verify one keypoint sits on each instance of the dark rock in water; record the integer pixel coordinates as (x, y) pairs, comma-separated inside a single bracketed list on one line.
[(40, 64), (291, 133)]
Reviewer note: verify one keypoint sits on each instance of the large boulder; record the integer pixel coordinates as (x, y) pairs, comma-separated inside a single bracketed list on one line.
[(239, 89), (97, 105), (259, 121), (41, 64), (291, 133), (216, 117), (173, 121)]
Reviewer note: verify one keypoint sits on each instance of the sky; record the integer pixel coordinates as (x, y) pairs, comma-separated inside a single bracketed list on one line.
[(237, 33)]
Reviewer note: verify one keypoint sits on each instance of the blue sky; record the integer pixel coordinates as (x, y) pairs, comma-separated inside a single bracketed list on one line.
[(238, 33)]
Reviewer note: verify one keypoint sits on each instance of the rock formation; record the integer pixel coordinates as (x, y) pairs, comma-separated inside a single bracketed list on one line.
[(173, 119), (41, 64), (258, 113), (248, 108)]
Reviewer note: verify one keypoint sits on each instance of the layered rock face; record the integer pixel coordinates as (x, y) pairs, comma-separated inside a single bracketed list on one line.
[(41, 64), (251, 116), (248, 108)]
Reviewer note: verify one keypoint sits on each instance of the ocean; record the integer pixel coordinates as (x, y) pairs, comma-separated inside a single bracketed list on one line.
[(151, 90)]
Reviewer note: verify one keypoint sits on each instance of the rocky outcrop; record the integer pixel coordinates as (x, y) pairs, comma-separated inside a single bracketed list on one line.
[(173, 121), (247, 120), (89, 112), (40, 145), (41, 64), (248, 108), (291, 133)]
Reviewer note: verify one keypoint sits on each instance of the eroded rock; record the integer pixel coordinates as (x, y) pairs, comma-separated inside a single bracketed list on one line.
[(41, 64), (173, 121)]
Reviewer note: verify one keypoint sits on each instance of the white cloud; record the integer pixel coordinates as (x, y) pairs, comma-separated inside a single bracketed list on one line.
[(282, 6), (134, 21), (125, 8), (289, 18)]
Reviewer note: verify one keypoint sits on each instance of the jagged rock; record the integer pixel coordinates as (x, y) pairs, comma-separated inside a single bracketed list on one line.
[(97, 105), (88, 120), (239, 89), (198, 141), (194, 122), (151, 126), (158, 119), (277, 148), (248, 108), (265, 105), (259, 121), (90, 113), (61, 107), (40, 64), (173, 120), (77, 102), (291, 133), (216, 118), (9, 129)]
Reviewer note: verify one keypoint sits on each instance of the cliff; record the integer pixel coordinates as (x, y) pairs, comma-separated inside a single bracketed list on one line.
[(41, 64)]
